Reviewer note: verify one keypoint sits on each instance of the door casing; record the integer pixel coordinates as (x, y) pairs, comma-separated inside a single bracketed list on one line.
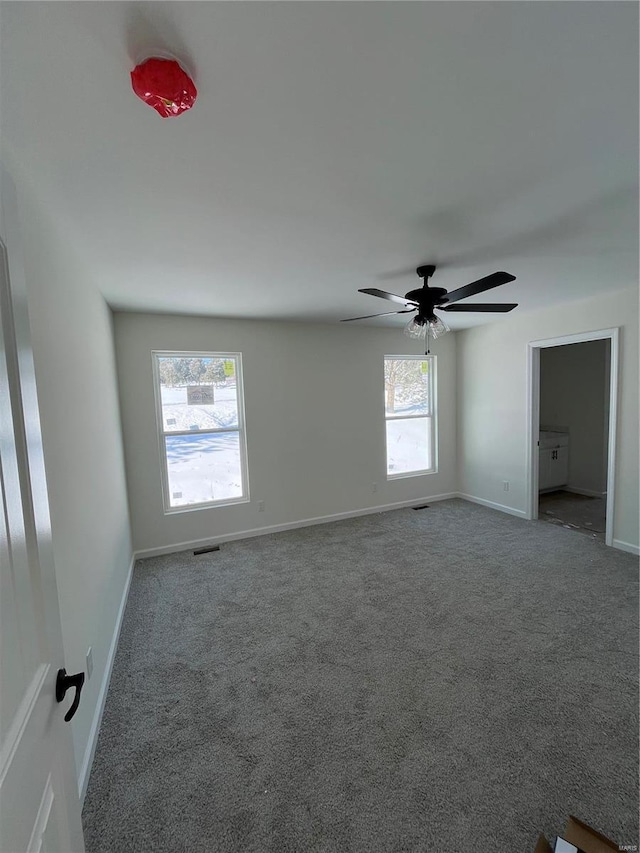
[(533, 416)]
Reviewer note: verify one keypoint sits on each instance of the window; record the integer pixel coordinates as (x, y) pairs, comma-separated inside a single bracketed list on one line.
[(409, 400), (199, 404)]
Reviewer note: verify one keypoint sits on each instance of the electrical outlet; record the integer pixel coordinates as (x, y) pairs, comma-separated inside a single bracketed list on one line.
[(374, 487), (260, 506), (89, 662), (505, 485)]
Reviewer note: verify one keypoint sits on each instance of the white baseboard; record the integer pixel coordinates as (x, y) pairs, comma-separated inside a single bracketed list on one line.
[(589, 493), (92, 741), (292, 525), (520, 513), (626, 546)]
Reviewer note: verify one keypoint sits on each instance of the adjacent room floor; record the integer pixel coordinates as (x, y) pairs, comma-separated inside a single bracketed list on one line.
[(578, 512), (449, 679)]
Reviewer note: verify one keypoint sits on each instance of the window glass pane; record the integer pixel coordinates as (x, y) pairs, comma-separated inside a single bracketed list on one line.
[(406, 387), (198, 393), (203, 468), (408, 445)]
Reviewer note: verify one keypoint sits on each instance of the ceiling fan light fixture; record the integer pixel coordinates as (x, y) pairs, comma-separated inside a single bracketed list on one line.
[(418, 328)]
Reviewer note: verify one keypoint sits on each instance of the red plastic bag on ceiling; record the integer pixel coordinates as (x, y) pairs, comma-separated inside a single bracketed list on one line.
[(164, 85)]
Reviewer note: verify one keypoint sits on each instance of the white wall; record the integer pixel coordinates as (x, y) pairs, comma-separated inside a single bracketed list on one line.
[(574, 395), (492, 401), (71, 328), (315, 422)]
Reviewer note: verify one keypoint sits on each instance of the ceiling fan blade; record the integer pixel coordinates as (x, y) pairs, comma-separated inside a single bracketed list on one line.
[(494, 280), (499, 307), (384, 314), (373, 291)]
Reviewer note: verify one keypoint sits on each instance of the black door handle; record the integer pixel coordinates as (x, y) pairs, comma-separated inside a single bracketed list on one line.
[(63, 683)]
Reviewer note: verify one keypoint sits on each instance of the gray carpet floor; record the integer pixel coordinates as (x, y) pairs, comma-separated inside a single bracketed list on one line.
[(449, 679)]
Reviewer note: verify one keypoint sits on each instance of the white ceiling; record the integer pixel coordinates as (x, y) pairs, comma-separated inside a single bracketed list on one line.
[(333, 146)]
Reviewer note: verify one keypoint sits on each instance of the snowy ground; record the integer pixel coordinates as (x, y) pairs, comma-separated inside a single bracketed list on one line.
[(408, 445), (202, 468), (178, 415)]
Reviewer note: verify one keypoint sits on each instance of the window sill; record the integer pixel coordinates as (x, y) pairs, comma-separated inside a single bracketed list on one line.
[(407, 474), (210, 505)]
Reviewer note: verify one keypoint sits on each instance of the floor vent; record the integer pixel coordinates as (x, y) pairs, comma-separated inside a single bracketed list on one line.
[(424, 506), (206, 550)]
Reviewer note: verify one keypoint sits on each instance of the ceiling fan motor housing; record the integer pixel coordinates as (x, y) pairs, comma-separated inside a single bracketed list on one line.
[(426, 297), (434, 295)]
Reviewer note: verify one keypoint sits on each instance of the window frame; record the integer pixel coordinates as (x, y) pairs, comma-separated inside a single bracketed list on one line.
[(433, 416), (156, 355)]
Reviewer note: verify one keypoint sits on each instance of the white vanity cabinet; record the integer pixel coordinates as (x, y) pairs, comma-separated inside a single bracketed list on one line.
[(553, 470)]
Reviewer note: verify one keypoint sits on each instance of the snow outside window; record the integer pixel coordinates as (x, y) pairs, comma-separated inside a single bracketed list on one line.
[(200, 412), (409, 400)]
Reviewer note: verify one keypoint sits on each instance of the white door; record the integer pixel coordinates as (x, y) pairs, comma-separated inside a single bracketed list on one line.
[(39, 805)]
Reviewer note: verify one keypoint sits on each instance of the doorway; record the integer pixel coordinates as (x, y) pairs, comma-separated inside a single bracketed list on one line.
[(572, 414)]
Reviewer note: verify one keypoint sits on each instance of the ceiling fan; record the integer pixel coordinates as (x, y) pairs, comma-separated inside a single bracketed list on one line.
[(424, 300)]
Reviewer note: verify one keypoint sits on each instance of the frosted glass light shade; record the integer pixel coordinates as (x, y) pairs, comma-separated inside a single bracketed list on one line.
[(438, 328), (416, 328)]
